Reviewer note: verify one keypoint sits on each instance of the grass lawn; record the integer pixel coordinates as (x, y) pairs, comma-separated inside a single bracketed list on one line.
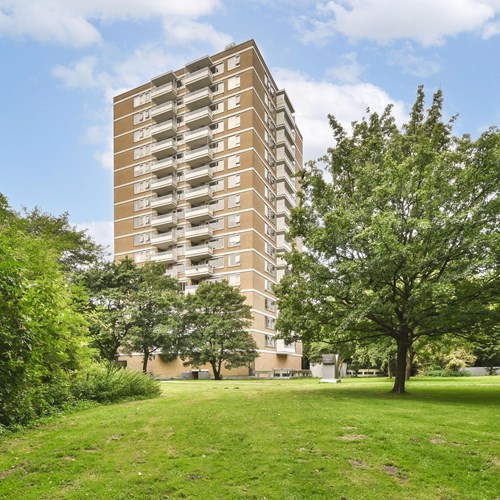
[(289, 439)]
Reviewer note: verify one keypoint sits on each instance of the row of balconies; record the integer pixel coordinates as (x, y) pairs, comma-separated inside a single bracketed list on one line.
[(194, 195)]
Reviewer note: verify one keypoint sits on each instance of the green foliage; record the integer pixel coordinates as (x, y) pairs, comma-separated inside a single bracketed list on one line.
[(153, 313), (400, 236), (109, 383), (214, 328), (41, 331), (446, 373), (131, 308)]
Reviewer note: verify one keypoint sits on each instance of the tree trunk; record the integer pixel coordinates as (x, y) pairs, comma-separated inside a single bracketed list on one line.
[(399, 382), (216, 371), (145, 360), (409, 362)]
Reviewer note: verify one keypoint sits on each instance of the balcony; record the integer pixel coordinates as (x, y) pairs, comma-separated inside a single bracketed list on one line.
[(198, 79), (198, 137), (164, 111), (199, 233), (199, 156), (200, 271), (198, 118), (165, 148), (172, 273), (282, 192), (282, 348), (200, 175), (282, 226), (164, 240), (199, 98), (282, 245), (282, 209), (164, 203), (163, 222), (199, 252), (164, 130), (164, 93), (163, 185), (164, 167), (190, 289), (199, 214), (285, 168), (199, 194), (167, 257)]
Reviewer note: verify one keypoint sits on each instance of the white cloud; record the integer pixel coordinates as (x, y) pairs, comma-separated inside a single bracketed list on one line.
[(188, 31), (413, 64), (100, 231), (70, 22), (349, 70), (314, 100), (428, 22)]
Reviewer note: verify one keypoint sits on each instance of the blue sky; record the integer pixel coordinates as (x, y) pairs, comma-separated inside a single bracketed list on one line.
[(64, 60)]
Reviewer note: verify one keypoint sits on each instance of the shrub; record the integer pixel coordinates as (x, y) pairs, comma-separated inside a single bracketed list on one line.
[(446, 373), (110, 383)]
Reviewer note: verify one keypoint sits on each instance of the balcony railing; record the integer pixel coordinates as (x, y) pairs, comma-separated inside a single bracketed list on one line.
[(196, 79), (199, 175), (199, 271), (198, 214), (200, 193), (282, 348), (168, 201), (165, 166), (199, 251), (168, 257), (199, 232)]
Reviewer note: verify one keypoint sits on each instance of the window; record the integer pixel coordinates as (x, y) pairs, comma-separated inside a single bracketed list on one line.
[(141, 239), (269, 340), (270, 323), (270, 268), (142, 203), (270, 177), (218, 107), (234, 260), (233, 200), (219, 69), (234, 279), (233, 121), (233, 141), (233, 82), (218, 88), (142, 221), (268, 286), (270, 304), (217, 147), (142, 98), (233, 220), (142, 151), (218, 127), (233, 240), (217, 185), (233, 181), (269, 195), (233, 62), (141, 186), (233, 161), (270, 213), (143, 256), (142, 133), (141, 169), (141, 116), (233, 102), (270, 249)]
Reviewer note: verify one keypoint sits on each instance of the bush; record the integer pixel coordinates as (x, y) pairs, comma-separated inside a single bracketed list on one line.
[(446, 373), (110, 383)]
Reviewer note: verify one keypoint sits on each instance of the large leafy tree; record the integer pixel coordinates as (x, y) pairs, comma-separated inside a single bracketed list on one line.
[(153, 313), (215, 323), (111, 288), (400, 229)]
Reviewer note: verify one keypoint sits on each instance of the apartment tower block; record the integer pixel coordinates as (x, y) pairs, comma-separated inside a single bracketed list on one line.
[(204, 164)]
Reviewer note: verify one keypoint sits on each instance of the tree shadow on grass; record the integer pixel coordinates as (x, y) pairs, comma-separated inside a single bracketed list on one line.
[(486, 396)]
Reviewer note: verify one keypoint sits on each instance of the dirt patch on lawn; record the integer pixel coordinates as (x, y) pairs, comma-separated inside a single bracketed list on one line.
[(13, 469), (357, 463), (395, 471), (352, 437), (437, 440)]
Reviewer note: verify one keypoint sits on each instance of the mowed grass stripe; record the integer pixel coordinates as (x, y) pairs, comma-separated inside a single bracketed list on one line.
[(291, 439)]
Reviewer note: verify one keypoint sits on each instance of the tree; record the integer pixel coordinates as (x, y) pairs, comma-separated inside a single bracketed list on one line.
[(214, 329), (42, 334), (152, 310), (400, 235)]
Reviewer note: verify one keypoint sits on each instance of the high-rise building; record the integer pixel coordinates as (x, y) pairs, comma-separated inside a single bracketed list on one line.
[(204, 164)]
